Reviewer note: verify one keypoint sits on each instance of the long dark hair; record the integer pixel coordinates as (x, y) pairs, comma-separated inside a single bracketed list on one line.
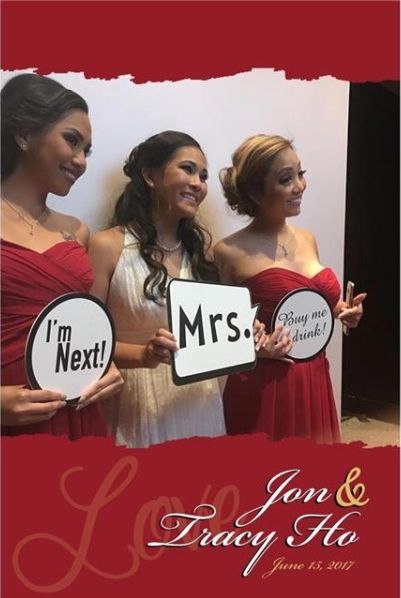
[(29, 104), (134, 210)]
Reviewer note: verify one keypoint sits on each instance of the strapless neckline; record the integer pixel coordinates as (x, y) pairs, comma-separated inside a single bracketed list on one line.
[(46, 250), (274, 268)]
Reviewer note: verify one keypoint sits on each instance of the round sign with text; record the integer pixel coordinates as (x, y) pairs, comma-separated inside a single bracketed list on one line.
[(70, 345), (310, 319)]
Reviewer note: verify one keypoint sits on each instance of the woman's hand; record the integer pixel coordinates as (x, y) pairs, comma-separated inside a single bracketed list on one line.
[(158, 348), (259, 335), (110, 384), (350, 316), (21, 406), (277, 345)]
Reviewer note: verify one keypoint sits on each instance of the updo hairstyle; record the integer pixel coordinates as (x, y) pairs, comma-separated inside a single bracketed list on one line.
[(244, 180)]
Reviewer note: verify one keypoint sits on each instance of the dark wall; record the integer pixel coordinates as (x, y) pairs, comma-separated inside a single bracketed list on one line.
[(371, 354)]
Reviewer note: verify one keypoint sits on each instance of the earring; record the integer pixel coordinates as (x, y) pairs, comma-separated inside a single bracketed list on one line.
[(23, 146)]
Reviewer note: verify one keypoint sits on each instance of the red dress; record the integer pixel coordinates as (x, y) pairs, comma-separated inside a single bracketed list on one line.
[(30, 280), (276, 397)]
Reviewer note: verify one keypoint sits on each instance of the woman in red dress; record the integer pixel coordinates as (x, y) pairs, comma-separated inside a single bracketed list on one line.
[(272, 258), (45, 140)]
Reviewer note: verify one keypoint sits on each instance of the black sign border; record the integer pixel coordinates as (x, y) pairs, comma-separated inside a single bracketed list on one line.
[(181, 380), (39, 319), (277, 309)]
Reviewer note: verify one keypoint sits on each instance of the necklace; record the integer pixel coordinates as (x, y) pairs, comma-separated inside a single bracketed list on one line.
[(281, 245), (169, 249), (275, 244), (33, 223)]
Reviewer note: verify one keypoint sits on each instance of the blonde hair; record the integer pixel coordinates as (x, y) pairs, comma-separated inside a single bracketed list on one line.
[(251, 162)]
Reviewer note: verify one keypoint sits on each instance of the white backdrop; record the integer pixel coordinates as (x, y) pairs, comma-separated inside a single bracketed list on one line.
[(220, 114)]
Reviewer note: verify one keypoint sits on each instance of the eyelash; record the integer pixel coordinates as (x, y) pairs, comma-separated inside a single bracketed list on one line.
[(188, 168), (71, 139), (74, 141), (288, 179)]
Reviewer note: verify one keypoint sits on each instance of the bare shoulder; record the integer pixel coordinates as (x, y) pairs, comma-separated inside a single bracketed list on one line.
[(104, 251), (110, 239), (307, 242), (304, 234), (227, 254), (219, 249), (227, 247), (71, 226), (107, 244)]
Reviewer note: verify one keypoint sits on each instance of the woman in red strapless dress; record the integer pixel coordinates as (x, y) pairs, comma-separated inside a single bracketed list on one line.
[(45, 140), (271, 258)]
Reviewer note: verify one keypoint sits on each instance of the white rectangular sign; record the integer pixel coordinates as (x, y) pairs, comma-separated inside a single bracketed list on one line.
[(213, 325)]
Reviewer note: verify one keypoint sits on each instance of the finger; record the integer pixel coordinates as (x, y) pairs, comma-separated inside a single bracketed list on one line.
[(275, 335), (259, 335), (288, 344), (279, 348), (359, 298), (39, 408), (283, 339), (267, 343), (258, 328), (113, 384), (44, 395), (162, 332), (260, 342), (345, 313), (111, 378), (160, 352), (102, 393), (351, 314), (164, 344)]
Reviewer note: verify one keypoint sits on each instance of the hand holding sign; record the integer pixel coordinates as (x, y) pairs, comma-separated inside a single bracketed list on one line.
[(107, 386), (21, 406), (278, 344), (213, 324), (70, 346), (159, 347)]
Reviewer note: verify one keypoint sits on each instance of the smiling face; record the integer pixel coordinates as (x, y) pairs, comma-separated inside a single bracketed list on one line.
[(56, 157), (283, 187), (179, 187)]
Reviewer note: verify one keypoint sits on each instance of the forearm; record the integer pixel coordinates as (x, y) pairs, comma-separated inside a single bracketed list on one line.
[(157, 350), (130, 356)]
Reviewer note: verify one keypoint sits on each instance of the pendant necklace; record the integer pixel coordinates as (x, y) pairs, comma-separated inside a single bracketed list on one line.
[(282, 247), (32, 222), (277, 244)]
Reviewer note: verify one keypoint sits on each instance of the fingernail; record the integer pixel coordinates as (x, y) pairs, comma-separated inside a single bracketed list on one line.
[(79, 406)]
